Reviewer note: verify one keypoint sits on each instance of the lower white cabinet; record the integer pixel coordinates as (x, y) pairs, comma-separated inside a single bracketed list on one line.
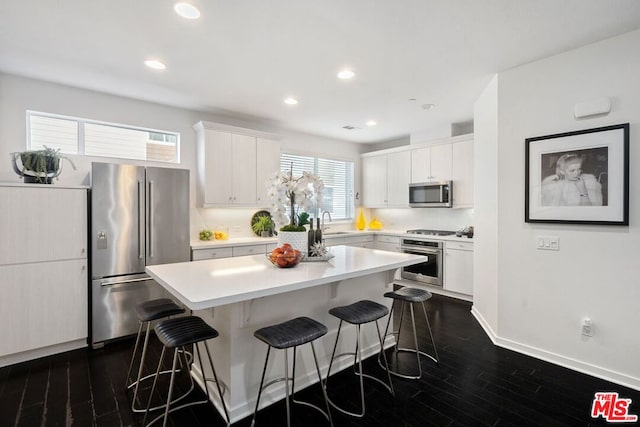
[(42, 304), (458, 267), (231, 251), (364, 241), (387, 243)]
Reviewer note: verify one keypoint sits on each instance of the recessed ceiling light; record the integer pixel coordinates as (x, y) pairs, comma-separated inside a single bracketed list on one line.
[(291, 101), (186, 10), (155, 64), (346, 74), (428, 106), (372, 123)]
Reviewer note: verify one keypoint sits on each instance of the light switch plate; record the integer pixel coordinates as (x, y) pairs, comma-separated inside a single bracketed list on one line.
[(548, 243)]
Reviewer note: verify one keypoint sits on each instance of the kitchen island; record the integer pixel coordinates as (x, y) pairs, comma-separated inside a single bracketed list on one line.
[(239, 295)]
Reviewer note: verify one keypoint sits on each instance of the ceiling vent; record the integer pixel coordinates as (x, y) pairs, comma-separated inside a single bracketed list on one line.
[(349, 127)]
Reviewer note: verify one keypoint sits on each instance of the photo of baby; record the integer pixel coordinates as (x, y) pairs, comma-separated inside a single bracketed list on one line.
[(575, 178)]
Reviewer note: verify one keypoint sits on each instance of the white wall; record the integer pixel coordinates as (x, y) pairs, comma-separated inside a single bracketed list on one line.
[(485, 267), (18, 94), (430, 218), (543, 295)]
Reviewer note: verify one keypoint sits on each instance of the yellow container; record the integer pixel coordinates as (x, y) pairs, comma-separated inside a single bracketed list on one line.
[(361, 222), (375, 224)]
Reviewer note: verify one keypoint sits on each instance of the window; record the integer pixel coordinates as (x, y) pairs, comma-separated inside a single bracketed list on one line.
[(337, 176), (73, 135)]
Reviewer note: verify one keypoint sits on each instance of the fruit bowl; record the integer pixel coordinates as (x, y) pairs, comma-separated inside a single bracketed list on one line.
[(286, 258)]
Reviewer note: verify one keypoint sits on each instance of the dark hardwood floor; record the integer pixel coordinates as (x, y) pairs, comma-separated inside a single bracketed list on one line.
[(475, 384)]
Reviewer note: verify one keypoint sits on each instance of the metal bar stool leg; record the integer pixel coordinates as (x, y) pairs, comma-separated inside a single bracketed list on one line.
[(410, 296), (290, 335)]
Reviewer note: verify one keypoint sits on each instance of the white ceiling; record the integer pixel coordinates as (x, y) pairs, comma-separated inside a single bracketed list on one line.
[(243, 57)]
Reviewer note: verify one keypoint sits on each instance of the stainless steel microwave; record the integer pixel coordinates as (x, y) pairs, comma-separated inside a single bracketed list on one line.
[(431, 194)]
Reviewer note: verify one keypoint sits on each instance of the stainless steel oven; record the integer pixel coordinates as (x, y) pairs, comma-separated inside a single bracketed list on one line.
[(429, 271)]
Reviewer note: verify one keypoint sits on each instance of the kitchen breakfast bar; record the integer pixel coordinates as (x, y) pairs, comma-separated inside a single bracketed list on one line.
[(239, 295)]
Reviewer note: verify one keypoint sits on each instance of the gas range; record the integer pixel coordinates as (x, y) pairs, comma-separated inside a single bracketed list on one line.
[(431, 232)]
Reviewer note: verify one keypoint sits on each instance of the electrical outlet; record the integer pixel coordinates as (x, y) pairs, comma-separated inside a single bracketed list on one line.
[(587, 328)]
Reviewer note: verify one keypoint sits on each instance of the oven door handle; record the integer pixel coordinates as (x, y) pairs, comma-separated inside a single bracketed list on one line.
[(420, 251)]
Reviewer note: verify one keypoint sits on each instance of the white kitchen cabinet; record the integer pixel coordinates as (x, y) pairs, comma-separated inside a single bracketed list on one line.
[(199, 254), (233, 165), (43, 271), (387, 243), (43, 304), (386, 179), (360, 241), (462, 174), (231, 251), (458, 267), (374, 181), (431, 164), (268, 158)]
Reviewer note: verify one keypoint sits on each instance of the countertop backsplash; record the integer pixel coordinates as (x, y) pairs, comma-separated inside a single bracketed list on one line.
[(237, 220)]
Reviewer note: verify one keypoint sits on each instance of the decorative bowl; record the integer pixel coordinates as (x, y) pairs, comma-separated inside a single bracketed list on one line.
[(286, 259)]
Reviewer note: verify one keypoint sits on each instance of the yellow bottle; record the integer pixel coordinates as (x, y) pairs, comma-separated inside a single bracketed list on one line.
[(361, 222)]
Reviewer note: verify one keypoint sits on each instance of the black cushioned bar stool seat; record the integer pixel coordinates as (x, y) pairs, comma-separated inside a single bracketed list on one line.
[(411, 296), (157, 309), (291, 334), (175, 334), (147, 312), (359, 313), (364, 311)]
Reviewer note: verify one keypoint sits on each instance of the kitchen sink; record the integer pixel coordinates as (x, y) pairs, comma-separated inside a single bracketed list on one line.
[(333, 233)]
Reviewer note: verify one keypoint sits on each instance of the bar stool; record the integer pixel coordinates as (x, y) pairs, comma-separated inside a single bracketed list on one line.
[(175, 334), (292, 333), (147, 312), (359, 313), (411, 296)]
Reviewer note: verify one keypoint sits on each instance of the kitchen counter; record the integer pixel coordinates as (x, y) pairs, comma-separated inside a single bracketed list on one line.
[(244, 241), (210, 283), (239, 295)]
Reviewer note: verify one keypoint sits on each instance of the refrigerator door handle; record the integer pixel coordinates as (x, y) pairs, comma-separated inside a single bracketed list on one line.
[(151, 218), (120, 282), (140, 220)]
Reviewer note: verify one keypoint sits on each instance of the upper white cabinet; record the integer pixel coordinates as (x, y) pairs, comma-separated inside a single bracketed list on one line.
[(431, 164), (462, 173), (386, 179), (233, 165), (386, 174)]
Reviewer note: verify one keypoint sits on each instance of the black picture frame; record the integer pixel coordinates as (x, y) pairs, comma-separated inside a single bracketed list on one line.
[(579, 177)]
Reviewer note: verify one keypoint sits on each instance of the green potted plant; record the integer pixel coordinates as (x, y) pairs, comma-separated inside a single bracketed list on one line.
[(263, 226), (39, 166)]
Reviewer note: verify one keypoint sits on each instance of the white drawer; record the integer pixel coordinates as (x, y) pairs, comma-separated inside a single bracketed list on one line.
[(391, 247), (463, 246), (198, 254), (387, 239), (249, 250)]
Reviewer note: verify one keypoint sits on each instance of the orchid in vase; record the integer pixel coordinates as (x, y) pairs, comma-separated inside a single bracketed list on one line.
[(298, 194)]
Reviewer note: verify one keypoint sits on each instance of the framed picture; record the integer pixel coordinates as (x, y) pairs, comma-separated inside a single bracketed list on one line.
[(579, 177)]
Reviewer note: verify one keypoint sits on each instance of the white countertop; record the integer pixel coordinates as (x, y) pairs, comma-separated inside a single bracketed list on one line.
[(243, 241), (215, 282)]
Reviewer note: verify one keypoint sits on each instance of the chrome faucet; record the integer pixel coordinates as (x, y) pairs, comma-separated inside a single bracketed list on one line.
[(323, 227)]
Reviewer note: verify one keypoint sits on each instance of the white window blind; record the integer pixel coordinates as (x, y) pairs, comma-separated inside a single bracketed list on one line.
[(74, 135), (337, 176)]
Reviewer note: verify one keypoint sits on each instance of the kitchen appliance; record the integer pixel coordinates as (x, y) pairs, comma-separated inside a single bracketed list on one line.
[(431, 194), (429, 271), (139, 217)]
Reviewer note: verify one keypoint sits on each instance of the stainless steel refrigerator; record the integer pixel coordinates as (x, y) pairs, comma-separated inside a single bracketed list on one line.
[(139, 217)]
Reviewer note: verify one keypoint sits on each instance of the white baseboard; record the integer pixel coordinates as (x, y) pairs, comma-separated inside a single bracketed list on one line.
[(557, 359), (37, 353)]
